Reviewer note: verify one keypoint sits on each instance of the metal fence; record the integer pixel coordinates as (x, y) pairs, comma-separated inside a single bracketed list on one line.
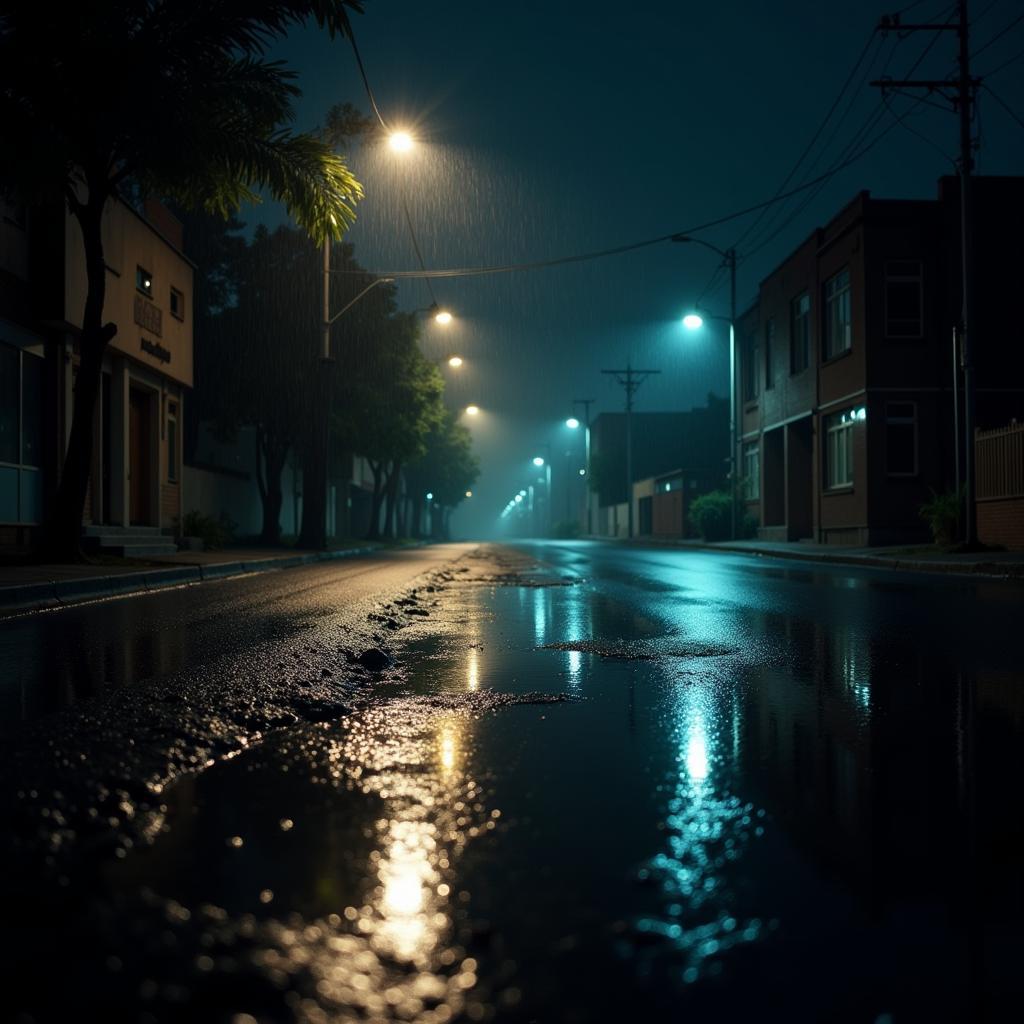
[(999, 462)]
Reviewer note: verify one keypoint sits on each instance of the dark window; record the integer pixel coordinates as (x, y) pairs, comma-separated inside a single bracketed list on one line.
[(769, 354), (177, 304), (800, 333), (838, 329), (900, 438), (10, 403), (31, 410), (750, 380), (904, 299), (144, 281)]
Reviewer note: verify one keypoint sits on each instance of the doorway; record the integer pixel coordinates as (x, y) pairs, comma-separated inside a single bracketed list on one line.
[(140, 457)]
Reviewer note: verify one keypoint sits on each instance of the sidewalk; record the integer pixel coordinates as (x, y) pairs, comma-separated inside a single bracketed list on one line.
[(32, 587), (923, 558)]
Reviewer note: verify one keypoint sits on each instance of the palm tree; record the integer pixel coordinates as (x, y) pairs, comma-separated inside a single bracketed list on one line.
[(172, 98)]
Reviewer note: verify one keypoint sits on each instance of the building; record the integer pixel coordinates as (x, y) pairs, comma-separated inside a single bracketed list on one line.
[(848, 414), (136, 472), (684, 451)]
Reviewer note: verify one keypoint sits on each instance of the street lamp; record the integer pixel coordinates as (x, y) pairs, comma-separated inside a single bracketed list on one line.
[(400, 142), (455, 362), (693, 321), (572, 423), (472, 410)]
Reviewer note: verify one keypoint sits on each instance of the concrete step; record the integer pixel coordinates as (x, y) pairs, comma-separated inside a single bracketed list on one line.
[(103, 530), (140, 550)]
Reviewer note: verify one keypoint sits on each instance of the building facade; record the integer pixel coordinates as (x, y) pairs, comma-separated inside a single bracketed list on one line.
[(850, 391), (136, 474)]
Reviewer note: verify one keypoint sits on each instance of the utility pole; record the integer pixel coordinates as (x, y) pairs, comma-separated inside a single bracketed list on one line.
[(630, 380), (961, 93), (586, 403)]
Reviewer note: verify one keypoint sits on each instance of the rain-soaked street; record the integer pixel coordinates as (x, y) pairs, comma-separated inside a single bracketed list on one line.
[(567, 782)]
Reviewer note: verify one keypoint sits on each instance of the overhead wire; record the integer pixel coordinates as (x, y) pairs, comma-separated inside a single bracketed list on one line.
[(386, 127), (998, 36), (1009, 110), (867, 126)]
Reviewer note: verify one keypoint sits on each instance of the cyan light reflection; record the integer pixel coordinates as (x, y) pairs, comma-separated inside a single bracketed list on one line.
[(708, 829), (540, 615), (575, 669), (852, 661)]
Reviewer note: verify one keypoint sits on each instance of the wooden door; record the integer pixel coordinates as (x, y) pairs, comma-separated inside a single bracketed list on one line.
[(140, 458)]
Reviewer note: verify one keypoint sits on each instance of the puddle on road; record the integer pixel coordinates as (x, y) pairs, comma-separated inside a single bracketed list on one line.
[(749, 828)]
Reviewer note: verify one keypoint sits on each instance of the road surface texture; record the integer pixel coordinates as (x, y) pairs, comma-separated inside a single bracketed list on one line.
[(566, 782)]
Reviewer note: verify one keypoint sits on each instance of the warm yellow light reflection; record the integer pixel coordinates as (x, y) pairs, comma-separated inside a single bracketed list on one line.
[(473, 671), (400, 142)]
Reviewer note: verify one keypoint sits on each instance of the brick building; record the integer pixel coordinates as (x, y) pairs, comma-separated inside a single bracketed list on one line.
[(845, 364)]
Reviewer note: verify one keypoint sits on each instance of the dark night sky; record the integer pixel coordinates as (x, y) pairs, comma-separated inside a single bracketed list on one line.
[(549, 129)]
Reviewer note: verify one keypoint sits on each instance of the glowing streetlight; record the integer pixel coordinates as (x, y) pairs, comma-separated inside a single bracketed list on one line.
[(400, 142), (472, 410), (469, 494), (430, 495), (572, 423), (455, 361), (443, 317), (519, 498), (538, 461), (692, 321)]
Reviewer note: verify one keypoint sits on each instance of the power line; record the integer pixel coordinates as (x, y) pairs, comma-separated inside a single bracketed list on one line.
[(1006, 63), (617, 250), (1003, 104), (998, 36), (384, 125)]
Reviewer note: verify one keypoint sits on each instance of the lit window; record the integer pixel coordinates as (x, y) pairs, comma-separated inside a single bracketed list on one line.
[(144, 281), (839, 447), (904, 299), (900, 438), (177, 304)]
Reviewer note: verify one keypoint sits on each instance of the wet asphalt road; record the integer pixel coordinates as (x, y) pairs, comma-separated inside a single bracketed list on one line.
[(774, 791)]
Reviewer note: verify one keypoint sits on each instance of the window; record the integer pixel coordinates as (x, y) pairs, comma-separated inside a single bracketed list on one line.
[(839, 447), (752, 471), (750, 379), (144, 281), (900, 438), (172, 442), (838, 333), (904, 299), (800, 333), (177, 304), (769, 354), (21, 428)]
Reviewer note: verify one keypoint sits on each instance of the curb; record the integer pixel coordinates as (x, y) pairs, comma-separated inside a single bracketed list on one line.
[(999, 570), (30, 597)]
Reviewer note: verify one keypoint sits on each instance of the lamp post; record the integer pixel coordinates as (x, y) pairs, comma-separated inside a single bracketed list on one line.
[(693, 321), (541, 462), (586, 403)]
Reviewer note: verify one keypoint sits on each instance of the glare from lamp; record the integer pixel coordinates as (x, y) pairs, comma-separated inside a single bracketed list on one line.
[(400, 142), (472, 410), (692, 321)]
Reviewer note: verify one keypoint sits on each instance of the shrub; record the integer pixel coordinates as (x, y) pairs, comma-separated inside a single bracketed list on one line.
[(710, 515), (942, 514), (214, 533)]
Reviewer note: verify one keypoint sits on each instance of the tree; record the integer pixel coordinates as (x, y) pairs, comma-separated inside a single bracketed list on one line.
[(177, 98), (447, 468), (392, 402)]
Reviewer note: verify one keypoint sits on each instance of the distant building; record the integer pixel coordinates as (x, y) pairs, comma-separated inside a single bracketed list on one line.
[(846, 364), (136, 471), (674, 451)]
